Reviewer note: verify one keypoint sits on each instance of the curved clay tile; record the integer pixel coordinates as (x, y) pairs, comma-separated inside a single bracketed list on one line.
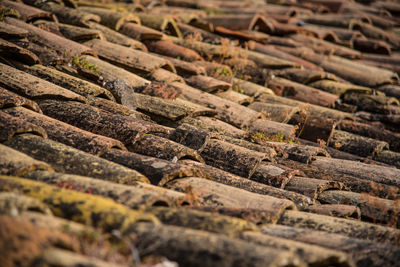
[(311, 187), (67, 134), (189, 31), (163, 75), (310, 254), (69, 82), (352, 181), (241, 22), (185, 68), (198, 219), (356, 144), (37, 242), (271, 151), (339, 88), (139, 198), (371, 131), (273, 129), (13, 162), (106, 72), (270, 62), (116, 108), (140, 32), (376, 254), (123, 128), (208, 84), (195, 247), (191, 136), (11, 126), (8, 31), (165, 108), (300, 152), (215, 195), (251, 89), (160, 23), (314, 128), (159, 91), (70, 15), (371, 207), (372, 46), (163, 148), (228, 111), (336, 210), (388, 157), (301, 92), (111, 18), (71, 160), (32, 87), (71, 32), (197, 110), (305, 76), (236, 97), (65, 48), (232, 158), (216, 70), (347, 227), (11, 51), (116, 37), (130, 59), (384, 175), (85, 208), (314, 110), (241, 35), (29, 13), (159, 171), (170, 49), (373, 32), (275, 112), (274, 174), (9, 99), (216, 126), (375, 102), (22, 204), (230, 179), (273, 52), (355, 72)]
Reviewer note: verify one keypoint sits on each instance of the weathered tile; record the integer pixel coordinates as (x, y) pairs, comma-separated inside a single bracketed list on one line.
[(11, 126), (65, 48), (13, 162), (28, 13), (10, 99), (95, 120), (111, 18), (69, 82), (362, 251), (70, 15), (158, 170), (347, 227), (230, 179), (88, 209), (70, 160), (132, 196), (196, 248), (12, 51), (65, 133)]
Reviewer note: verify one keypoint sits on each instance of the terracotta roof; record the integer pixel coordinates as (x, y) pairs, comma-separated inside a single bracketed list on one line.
[(199, 133)]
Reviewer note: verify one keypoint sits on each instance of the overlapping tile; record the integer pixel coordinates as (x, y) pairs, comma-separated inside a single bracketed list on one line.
[(289, 117)]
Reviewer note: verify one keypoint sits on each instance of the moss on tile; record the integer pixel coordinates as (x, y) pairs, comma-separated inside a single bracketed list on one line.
[(82, 63), (84, 208)]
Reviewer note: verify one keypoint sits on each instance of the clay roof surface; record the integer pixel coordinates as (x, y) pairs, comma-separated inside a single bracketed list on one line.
[(199, 133)]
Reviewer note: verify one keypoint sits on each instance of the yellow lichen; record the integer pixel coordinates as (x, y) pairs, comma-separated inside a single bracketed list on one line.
[(79, 207)]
